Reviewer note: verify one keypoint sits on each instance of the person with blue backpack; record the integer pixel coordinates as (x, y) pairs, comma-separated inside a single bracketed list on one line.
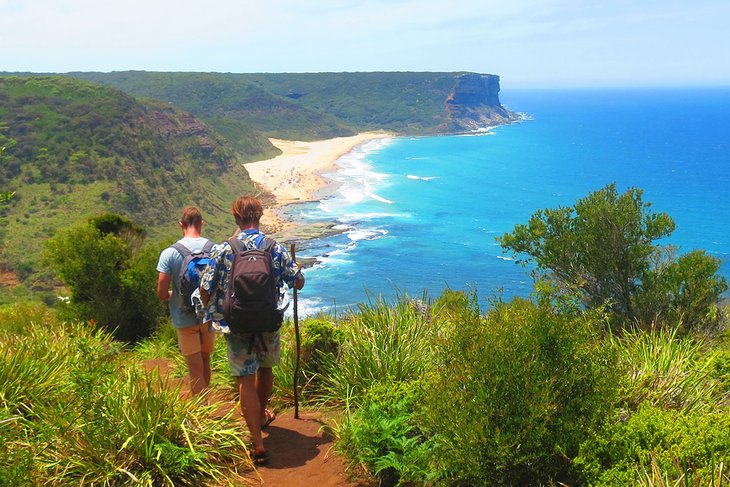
[(179, 268), (245, 290)]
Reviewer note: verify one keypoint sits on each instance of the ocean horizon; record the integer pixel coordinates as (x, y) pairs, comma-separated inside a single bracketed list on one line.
[(422, 214)]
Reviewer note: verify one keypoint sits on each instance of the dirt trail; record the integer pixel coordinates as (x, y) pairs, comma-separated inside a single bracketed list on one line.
[(301, 454)]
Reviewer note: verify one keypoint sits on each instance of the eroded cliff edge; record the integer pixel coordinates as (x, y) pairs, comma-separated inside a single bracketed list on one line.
[(474, 104)]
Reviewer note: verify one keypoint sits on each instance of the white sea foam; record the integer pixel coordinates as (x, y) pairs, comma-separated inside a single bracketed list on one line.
[(504, 258), (358, 217), (422, 178), (366, 234), (380, 198), (306, 307)]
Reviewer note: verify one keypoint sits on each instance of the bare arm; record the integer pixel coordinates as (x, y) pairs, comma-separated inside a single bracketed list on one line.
[(163, 286)]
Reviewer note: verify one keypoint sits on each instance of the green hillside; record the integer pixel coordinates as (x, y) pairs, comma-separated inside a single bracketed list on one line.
[(403, 102), (306, 106), (234, 104), (74, 149)]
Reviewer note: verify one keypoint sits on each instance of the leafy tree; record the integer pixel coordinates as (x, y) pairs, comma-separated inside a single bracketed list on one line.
[(110, 273), (603, 250)]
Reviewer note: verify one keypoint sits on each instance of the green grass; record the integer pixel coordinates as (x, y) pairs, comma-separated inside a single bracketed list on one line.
[(517, 386), (76, 408), (667, 371)]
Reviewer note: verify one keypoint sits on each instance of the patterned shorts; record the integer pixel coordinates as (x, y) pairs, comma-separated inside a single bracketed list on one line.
[(248, 352)]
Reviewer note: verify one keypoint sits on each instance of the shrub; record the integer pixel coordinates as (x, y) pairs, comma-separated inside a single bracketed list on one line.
[(381, 438), (74, 411), (111, 277), (603, 250), (320, 346), (688, 446), (514, 393)]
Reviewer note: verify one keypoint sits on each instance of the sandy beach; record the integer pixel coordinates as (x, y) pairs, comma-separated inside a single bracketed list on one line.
[(295, 176)]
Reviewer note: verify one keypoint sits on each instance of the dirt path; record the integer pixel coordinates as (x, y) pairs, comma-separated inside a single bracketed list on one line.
[(301, 454)]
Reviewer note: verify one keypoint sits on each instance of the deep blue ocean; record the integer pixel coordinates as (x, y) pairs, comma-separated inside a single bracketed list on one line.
[(422, 213)]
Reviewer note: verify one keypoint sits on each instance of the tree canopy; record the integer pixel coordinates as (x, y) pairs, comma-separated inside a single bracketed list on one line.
[(603, 250)]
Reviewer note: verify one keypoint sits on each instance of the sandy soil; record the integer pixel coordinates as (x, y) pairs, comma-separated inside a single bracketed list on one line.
[(295, 176)]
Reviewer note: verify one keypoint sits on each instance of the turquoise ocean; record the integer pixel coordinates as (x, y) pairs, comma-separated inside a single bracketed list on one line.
[(422, 214)]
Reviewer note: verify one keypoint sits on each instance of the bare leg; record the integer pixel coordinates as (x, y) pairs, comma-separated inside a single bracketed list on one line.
[(206, 368), (251, 409), (196, 367), (264, 386)]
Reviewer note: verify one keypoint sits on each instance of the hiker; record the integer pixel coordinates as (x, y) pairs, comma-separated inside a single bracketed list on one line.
[(251, 355), (194, 336)]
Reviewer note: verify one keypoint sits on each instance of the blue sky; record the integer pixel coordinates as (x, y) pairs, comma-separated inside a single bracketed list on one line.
[(529, 43)]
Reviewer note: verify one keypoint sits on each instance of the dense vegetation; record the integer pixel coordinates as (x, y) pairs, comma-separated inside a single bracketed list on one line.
[(303, 106), (232, 103), (76, 408), (554, 390), (74, 149)]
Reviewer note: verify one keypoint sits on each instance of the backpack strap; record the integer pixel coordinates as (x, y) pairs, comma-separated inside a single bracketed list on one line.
[(236, 245), (184, 251)]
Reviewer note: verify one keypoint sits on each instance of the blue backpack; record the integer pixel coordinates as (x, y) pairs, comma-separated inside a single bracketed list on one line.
[(192, 267)]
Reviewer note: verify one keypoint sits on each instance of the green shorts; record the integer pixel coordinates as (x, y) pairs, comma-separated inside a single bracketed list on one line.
[(248, 352)]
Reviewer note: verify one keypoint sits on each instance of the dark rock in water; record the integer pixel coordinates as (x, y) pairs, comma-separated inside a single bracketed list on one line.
[(474, 104)]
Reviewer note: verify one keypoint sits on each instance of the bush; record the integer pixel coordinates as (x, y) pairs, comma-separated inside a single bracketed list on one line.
[(112, 276), (75, 411), (382, 440), (687, 448), (514, 393)]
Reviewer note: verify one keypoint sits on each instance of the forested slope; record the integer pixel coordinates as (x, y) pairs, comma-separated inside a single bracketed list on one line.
[(73, 149), (310, 106)]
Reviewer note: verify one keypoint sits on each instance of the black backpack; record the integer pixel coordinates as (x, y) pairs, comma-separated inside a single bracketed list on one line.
[(192, 266), (250, 302)]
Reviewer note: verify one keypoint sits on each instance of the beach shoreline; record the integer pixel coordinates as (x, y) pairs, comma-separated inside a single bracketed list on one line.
[(296, 176)]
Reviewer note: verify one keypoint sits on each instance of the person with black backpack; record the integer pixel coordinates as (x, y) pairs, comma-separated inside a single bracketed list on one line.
[(179, 268), (244, 287)]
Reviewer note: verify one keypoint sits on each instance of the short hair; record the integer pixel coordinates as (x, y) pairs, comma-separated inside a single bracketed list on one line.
[(191, 216), (247, 210)]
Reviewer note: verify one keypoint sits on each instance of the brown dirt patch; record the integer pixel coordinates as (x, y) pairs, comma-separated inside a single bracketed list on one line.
[(8, 278), (301, 454)]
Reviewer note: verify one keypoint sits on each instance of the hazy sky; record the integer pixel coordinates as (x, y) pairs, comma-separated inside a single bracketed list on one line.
[(527, 42)]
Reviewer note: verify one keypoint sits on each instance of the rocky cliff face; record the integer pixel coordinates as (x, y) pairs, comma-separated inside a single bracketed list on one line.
[(474, 104)]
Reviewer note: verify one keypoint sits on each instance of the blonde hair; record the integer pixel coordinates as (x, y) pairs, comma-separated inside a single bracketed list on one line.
[(247, 210)]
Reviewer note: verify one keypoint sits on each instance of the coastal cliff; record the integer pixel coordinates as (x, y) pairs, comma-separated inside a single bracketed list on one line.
[(474, 104)]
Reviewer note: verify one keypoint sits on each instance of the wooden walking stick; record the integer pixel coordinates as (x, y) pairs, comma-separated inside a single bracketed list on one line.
[(299, 344)]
